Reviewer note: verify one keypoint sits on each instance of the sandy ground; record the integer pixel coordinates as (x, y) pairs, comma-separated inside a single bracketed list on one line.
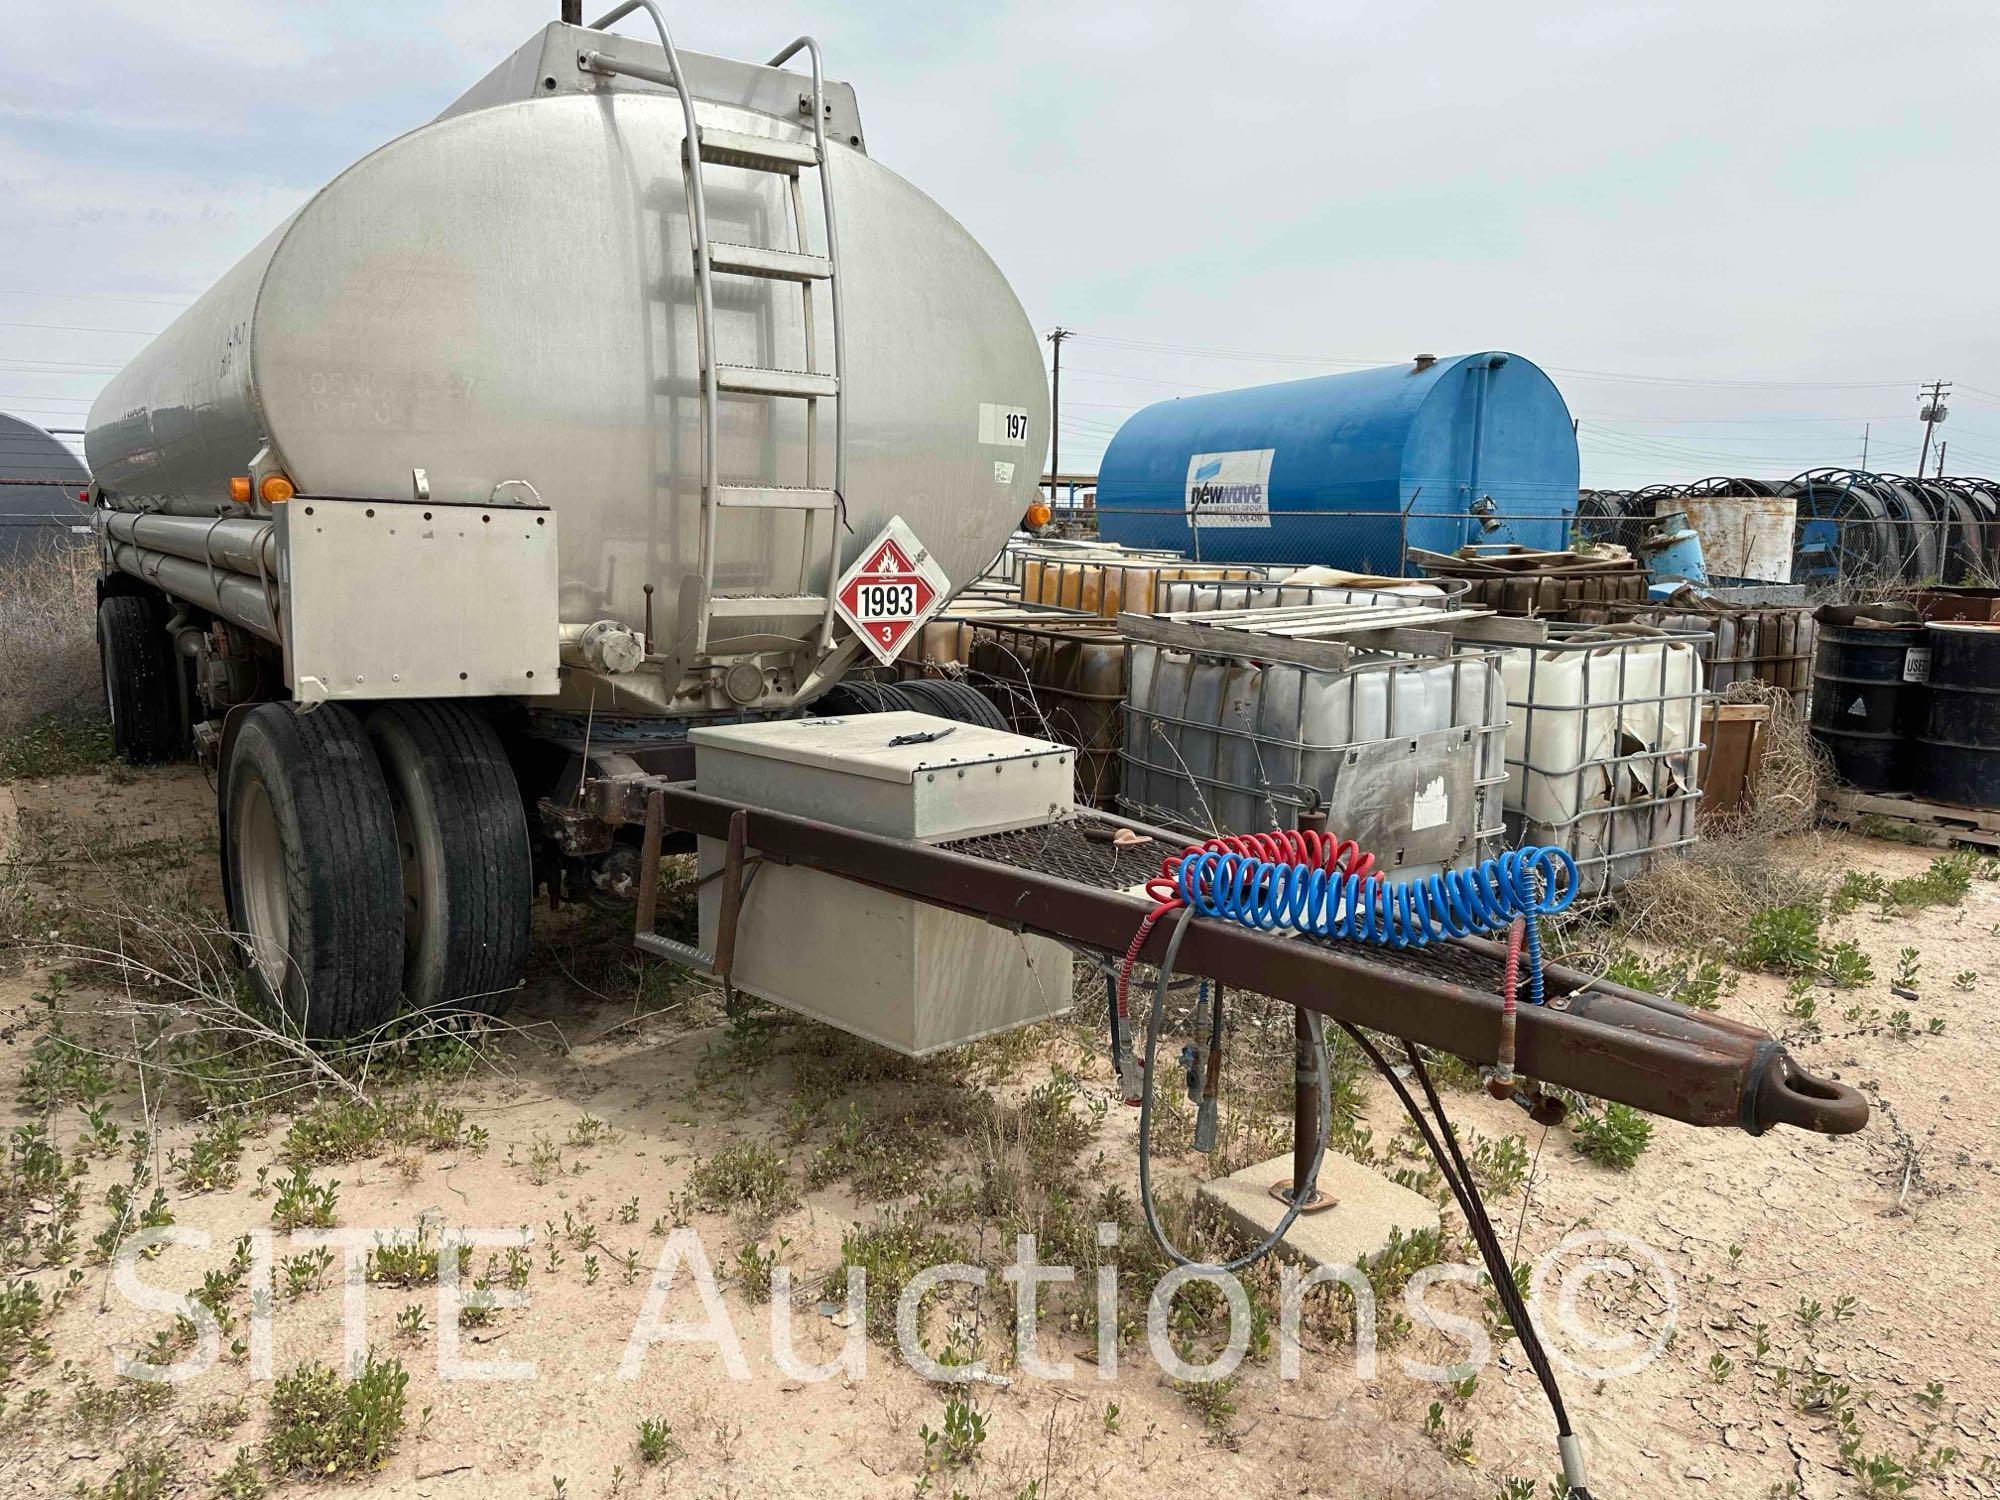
[(596, 1109)]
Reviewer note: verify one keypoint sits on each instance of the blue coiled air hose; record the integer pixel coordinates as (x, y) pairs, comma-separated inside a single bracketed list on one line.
[(1533, 881)]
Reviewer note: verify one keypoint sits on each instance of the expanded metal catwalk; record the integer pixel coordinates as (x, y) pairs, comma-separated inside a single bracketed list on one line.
[(1069, 851)]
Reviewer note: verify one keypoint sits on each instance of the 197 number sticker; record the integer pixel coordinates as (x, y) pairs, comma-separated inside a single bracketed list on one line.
[(1003, 425)]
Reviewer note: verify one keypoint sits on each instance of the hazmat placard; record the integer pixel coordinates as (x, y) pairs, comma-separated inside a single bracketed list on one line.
[(890, 590)]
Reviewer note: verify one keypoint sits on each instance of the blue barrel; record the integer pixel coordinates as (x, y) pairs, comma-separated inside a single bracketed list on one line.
[(1344, 470)]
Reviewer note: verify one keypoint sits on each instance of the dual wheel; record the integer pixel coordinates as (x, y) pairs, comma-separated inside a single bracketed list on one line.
[(375, 863), (370, 862), (142, 680)]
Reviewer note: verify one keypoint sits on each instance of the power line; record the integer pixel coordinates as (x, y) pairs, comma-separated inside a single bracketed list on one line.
[(22, 363), (1719, 421), (95, 297), (1203, 352), (144, 333)]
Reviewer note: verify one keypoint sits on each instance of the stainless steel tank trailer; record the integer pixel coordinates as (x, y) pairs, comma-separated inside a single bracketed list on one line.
[(502, 512), (536, 435)]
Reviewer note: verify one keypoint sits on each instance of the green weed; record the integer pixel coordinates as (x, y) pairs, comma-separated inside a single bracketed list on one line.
[(1697, 981), (322, 1425), (1614, 1138), (656, 1440), (957, 1443), (55, 746), (211, 1158), (1945, 883), (1782, 940), (1214, 1401), (304, 1204), (241, 1480), (891, 1253), (745, 1174)]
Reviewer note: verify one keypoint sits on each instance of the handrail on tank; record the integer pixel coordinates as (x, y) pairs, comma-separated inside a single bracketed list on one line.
[(698, 206), (810, 47)]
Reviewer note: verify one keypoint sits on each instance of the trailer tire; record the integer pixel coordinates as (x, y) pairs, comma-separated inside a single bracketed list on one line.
[(861, 695), (309, 867), (949, 699), (141, 680), (466, 878)]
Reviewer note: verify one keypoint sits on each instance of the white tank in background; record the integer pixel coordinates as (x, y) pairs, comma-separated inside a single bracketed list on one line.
[(1603, 742), (1405, 753)]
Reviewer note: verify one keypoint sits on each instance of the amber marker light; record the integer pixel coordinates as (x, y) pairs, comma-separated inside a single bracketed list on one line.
[(239, 489), (276, 489)]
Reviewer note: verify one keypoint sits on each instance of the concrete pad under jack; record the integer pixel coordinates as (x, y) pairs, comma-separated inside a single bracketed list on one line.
[(1366, 1207)]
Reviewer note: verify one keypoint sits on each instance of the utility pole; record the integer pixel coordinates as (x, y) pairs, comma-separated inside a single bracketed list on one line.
[(1932, 412), (1864, 446), (1942, 445), (1056, 337)]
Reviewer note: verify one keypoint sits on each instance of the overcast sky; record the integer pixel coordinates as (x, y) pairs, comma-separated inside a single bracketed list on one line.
[(1734, 231)]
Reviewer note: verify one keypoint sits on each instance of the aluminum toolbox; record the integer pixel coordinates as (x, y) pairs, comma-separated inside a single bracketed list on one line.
[(907, 975), (851, 771)]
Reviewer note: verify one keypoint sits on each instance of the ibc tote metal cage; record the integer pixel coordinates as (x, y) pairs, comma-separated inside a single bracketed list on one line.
[(1063, 680), (1186, 771), (1604, 745), (1278, 592), (1759, 642)]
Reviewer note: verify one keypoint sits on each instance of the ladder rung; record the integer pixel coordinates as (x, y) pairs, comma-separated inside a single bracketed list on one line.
[(766, 606), (760, 153), (750, 380), (772, 497), (774, 265)]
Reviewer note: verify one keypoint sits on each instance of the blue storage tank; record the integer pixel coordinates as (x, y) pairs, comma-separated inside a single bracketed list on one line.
[(1342, 470)]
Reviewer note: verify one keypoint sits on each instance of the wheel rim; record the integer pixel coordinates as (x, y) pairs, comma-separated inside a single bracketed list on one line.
[(260, 876)]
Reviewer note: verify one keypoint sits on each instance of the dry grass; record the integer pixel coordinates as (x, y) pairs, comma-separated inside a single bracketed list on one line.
[(1712, 889), (1747, 863), (1795, 768), (1741, 866), (48, 620)]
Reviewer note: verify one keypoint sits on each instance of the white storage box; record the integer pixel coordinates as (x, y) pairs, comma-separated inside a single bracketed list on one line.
[(849, 771), (912, 977)]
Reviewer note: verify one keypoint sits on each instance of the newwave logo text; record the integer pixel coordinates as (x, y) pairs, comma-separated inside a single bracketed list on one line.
[(1226, 495)]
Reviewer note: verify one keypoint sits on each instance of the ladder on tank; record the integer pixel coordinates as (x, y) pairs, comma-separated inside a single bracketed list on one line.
[(707, 611)]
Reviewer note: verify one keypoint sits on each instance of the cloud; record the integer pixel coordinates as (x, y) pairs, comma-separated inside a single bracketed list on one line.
[(1791, 190)]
